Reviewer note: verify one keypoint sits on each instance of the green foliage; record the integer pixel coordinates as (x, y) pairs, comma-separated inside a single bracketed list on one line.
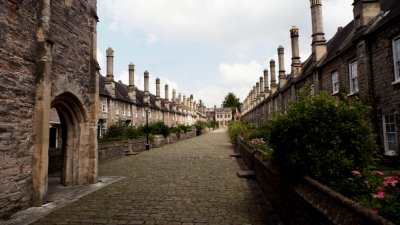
[(158, 128), (200, 125), (213, 124), (185, 128), (323, 137), (231, 101), (235, 129), (121, 131)]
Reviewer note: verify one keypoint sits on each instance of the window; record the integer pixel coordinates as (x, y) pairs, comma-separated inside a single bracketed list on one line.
[(390, 134), (353, 77), (103, 127), (129, 110), (104, 105), (335, 82), (396, 56), (123, 110), (116, 108)]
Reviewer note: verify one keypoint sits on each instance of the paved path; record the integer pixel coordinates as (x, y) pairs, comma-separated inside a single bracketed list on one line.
[(191, 182)]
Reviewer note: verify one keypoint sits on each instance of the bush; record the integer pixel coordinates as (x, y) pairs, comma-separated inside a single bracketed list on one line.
[(156, 128), (323, 137), (176, 130), (235, 129), (185, 128)]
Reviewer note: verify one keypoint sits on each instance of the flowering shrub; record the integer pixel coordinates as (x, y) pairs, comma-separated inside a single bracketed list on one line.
[(260, 144), (376, 191)]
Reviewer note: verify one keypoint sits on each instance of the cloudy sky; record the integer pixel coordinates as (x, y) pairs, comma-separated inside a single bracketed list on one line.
[(207, 47)]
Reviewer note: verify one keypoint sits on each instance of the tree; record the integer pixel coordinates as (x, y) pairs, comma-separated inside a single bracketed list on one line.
[(231, 101)]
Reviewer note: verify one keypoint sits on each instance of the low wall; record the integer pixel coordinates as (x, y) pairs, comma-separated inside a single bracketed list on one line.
[(116, 149), (305, 202)]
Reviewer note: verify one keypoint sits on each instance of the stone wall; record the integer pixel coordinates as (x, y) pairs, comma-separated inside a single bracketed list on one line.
[(47, 49), (305, 202), (17, 99)]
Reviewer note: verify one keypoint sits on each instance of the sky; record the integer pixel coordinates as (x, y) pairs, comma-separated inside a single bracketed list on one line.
[(207, 48)]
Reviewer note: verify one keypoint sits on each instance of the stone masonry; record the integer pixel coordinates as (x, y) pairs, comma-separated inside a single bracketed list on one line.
[(47, 60)]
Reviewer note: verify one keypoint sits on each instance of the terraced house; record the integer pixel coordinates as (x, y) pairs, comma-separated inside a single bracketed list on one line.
[(362, 60), (120, 103)]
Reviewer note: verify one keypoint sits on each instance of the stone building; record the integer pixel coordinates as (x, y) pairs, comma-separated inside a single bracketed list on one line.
[(221, 115), (47, 61), (361, 60), (127, 103)]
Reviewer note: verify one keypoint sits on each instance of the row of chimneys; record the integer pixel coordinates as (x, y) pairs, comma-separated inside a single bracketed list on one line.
[(180, 102), (364, 11)]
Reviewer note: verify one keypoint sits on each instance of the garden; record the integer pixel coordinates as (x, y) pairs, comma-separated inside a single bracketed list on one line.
[(327, 139)]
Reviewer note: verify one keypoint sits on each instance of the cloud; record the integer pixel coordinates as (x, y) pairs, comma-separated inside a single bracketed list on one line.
[(236, 78), (151, 39), (101, 59)]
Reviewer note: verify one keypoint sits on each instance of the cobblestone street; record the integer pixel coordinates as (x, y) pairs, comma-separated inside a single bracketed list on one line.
[(190, 182)]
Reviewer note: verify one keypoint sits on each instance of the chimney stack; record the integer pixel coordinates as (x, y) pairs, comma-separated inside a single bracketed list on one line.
[(282, 72), (158, 100), (110, 65), (146, 97), (296, 63), (184, 103), (166, 93), (173, 100), (273, 76), (364, 11), (131, 89), (318, 42), (266, 87), (258, 92), (262, 88)]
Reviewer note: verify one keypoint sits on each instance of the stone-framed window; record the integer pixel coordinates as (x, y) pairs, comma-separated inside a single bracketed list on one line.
[(396, 58), (390, 135), (116, 108), (312, 89), (123, 110), (103, 128), (335, 82), (353, 77), (104, 107), (128, 110)]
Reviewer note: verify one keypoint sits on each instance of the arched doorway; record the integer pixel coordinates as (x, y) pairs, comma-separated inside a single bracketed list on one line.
[(74, 136)]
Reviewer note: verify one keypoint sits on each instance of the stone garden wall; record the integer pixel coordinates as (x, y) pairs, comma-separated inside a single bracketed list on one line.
[(305, 202)]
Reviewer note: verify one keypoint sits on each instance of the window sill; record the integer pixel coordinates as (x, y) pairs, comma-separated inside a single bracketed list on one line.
[(352, 94), (396, 82), (335, 93)]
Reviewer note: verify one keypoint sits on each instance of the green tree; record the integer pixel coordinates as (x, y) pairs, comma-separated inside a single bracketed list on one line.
[(231, 101)]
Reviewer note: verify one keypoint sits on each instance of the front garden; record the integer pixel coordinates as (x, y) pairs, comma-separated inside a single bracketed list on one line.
[(327, 139)]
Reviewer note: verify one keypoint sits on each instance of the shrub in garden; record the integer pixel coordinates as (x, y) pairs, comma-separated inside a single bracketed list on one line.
[(235, 129), (377, 191), (323, 137), (185, 128), (200, 125), (176, 130)]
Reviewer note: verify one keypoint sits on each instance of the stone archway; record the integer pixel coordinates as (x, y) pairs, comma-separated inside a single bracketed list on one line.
[(79, 152), (75, 134)]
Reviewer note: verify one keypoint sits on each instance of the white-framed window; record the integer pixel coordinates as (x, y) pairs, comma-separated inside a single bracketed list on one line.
[(143, 113), (390, 135), (353, 77), (129, 110), (396, 57), (104, 107), (116, 108), (103, 127), (123, 109), (335, 82)]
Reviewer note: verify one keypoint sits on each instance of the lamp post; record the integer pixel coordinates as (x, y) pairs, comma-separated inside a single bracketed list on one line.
[(147, 108)]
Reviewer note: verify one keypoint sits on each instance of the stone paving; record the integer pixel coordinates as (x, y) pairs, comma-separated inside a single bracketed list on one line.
[(192, 182)]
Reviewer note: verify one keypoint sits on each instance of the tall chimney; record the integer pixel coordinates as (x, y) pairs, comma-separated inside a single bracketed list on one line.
[(262, 88), (184, 103), (318, 42), (254, 95), (282, 72), (131, 89), (158, 100), (273, 76), (166, 92), (364, 11), (110, 65), (266, 86), (146, 97), (296, 63), (258, 92), (173, 95), (109, 81)]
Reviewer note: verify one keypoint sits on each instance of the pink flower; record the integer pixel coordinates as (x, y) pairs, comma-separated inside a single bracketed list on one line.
[(376, 172), (380, 195), (356, 172), (391, 180)]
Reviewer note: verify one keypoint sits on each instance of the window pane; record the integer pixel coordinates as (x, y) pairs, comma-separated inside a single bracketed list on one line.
[(397, 49), (392, 146)]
